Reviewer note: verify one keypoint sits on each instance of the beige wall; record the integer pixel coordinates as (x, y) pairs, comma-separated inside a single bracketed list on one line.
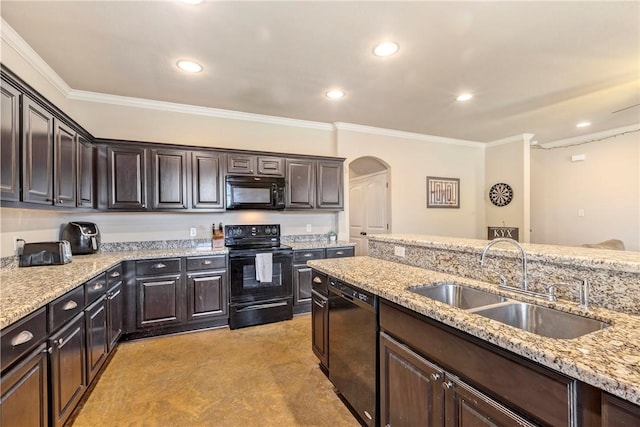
[(606, 185), (410, 162), (508, 162)]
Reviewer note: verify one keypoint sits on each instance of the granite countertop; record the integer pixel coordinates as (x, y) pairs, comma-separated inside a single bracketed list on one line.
[(24, 290), (318, 244), (608, 359)]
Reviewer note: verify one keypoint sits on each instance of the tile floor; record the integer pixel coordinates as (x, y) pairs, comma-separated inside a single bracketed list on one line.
[(264, 375)]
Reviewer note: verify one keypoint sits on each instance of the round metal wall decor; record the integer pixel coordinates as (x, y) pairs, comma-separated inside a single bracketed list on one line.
[(501, 194)]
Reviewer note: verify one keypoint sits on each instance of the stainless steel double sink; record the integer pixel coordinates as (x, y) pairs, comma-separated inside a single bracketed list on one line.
[(543, 321)]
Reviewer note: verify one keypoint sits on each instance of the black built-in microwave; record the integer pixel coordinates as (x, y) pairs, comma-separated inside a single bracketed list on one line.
[(255, 192)]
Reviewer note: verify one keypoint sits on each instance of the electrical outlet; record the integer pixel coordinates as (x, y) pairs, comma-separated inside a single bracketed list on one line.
[(398, 251), (192, 232), (308, 228), (580, 212)]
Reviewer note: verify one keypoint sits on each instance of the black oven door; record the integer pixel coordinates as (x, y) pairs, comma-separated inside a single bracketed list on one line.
[(244, 286)]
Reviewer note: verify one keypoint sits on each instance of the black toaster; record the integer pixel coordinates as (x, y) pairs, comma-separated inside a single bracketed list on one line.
[(45, 253)]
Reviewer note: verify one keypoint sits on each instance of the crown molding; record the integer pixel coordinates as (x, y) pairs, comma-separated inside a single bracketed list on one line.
[(406, 135), (150, 104), (592, 137), (17, 43), (521, 137)]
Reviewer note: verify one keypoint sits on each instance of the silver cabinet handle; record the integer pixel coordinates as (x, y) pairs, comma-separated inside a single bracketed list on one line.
[(97, 286), (340, 253), (48, 350), (308, 255), (447, 385), (115, 274), (317, 280), (70, 305), (159, 265), (320, 304), (436, 377), (59, 342), (21, 338), (207, 262)]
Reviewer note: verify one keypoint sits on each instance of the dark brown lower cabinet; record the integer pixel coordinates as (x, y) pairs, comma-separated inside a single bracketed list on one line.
[(68, 369), (619, 413), (301, 285), (24, 401), (97, 342), (206, 294), (411, 392), (320, 327), (115, 311), (160, 301)]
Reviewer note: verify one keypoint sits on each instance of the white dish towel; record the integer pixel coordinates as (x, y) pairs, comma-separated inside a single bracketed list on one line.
[(264, 267)]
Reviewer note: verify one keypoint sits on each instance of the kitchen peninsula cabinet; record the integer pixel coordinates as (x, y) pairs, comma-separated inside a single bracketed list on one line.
[(10, 142), (207, 180), (320, 319), (619, 413)]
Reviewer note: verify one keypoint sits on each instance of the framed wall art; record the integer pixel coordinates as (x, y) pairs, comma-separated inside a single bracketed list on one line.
[(443, 192)]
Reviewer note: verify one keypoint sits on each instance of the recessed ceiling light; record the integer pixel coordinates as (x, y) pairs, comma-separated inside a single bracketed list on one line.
[(189, 66), (464, 97), (583, 124), (386, 49), (191, 1), (335, 94)]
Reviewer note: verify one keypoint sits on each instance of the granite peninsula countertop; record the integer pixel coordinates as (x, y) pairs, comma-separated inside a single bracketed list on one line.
[(24, 290), (608, 359), (318, 244)]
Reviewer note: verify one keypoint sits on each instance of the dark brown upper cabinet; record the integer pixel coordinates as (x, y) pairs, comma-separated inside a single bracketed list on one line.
[(330, 188), (251, 164), (207, 180), (64, 150), (10, 143), (300, 184), (126, 177), (37, 148), (169, 170), (85, 192)]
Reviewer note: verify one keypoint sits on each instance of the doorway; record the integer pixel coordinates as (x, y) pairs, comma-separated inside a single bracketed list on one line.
[(369, 201)]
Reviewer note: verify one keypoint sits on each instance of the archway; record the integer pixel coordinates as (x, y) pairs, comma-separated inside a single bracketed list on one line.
[(369, 201)]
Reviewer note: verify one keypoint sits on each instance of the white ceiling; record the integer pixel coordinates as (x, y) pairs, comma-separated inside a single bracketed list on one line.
[(534, 67)]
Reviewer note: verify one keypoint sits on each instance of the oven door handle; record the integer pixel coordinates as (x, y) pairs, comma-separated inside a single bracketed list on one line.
[(261, 306)]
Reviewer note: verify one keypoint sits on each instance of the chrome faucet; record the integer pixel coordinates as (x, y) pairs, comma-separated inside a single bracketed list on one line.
[(525, 281)]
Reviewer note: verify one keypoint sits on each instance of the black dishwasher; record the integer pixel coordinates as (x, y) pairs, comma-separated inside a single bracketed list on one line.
[(353, 347)]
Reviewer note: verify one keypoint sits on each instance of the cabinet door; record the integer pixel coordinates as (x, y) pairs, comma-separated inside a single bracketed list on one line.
[(126, 168), (86, 172), (96, 329), (272, 166), (64, 169), (301, 284), (24, 401), (37, 148), (619, 413), (206, 295), (411, 391), (159, 301), (208, 181), (320, 327), (115, 307), (241, 164), (10, 142), (330, 187), (300, 184), (68, 369), (468, 407), (169, 180)]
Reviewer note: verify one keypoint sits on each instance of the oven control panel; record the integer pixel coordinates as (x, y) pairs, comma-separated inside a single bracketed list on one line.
[(252, 231)]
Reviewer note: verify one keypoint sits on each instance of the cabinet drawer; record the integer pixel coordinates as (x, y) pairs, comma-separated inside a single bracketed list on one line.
[(340, 252), (114, 275), (206, 262), (302, 256), (65, 307), (22, 336), (95, 288), (158, 266)]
